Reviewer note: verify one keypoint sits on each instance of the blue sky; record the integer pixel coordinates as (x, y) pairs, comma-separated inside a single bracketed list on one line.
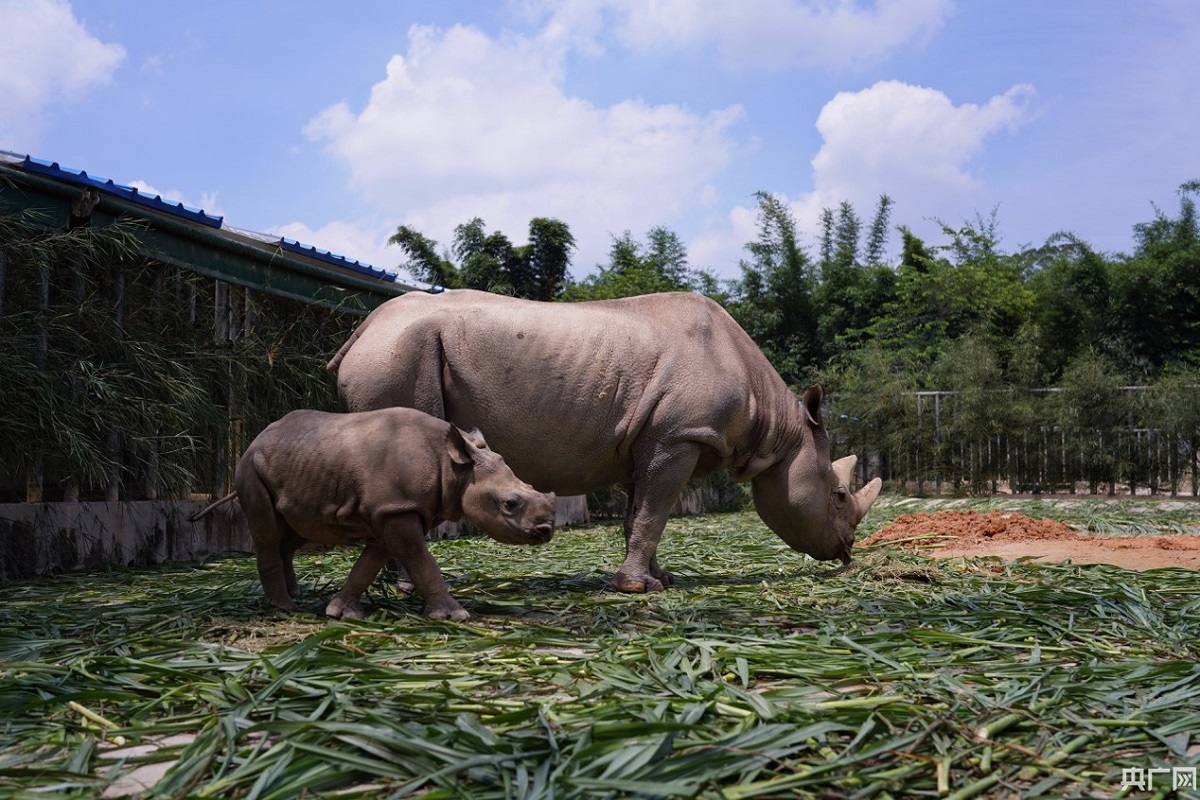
[(335, 123)]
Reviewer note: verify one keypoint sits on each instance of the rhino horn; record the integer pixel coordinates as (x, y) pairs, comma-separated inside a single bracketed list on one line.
[(844, 469), (865, 497)]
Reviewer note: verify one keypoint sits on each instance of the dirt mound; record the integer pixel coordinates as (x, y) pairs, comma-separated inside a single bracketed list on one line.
[(1009, 535)]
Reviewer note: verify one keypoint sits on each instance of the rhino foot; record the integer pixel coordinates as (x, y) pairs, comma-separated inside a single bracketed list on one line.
[(341, 608), (663, 577), (451, 611), (637, 585), (287, 604)]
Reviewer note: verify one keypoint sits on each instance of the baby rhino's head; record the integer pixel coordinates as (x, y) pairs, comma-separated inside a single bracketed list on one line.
[(497, 501)]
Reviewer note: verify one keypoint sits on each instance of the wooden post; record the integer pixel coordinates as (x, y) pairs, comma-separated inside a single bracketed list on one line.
[(1195, 464), (221, 311), (3, 278), (112, 492), (220, 445), (151, 423), (81, 217), (37, 471), (191, 304)]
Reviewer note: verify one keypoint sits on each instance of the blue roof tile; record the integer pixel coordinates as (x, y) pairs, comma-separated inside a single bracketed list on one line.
[(156, 202), (333, 258)]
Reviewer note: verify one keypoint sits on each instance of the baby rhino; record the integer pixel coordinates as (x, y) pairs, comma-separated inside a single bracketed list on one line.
[(383, 478)]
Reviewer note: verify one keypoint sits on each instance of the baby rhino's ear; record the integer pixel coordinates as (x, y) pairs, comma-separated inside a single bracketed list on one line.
[(464, 446), (475, 437)]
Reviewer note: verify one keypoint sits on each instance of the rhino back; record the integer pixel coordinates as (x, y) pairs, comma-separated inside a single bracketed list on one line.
[(567, 391), (342, 471)]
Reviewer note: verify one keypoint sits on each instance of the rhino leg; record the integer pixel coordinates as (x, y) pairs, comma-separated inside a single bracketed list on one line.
[(655, 570), (346, 603), (270, 532), (403, 584), (404, 536), (287, 551), (656, 487)]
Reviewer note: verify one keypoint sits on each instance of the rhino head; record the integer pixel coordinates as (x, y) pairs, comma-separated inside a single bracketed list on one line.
[(494, 499), (805, 498)]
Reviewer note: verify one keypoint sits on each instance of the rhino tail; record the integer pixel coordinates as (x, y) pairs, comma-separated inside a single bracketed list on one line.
[(212, 506), (336, 361)]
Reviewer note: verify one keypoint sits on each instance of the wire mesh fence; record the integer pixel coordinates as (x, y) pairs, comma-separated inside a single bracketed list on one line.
[(1133, 440)]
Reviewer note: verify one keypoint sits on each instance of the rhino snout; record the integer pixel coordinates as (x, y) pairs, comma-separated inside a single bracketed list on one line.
[(534, 534)]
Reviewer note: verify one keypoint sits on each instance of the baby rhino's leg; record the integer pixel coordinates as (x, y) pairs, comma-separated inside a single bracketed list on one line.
[(269, 532), (287, 550), (405, 537), (346, 605)]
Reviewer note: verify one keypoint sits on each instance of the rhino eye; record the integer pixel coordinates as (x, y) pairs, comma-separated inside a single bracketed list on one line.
[(842, 494), (512, 506)]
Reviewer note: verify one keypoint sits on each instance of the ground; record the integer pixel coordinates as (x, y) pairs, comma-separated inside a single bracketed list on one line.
[(1011, 535), (760, 673)]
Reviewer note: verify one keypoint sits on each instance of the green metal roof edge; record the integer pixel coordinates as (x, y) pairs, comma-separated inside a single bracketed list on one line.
[(218, 253)]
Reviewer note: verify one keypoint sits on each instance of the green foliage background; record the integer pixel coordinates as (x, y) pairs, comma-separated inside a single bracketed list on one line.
[(116, 375), (119, 377)]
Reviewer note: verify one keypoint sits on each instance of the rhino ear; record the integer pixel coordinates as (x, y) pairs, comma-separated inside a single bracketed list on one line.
[(475, 437), (461, 446), (811, 402)]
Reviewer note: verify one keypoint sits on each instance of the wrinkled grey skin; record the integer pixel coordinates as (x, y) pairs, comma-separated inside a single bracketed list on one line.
[(383, 478), (645, 391)]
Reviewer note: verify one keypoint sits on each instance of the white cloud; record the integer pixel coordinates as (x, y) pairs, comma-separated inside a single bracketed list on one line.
[(207, 202), (465, 125), (761, 35), (46, 57), (364, 241), (720, 248), (911, 135), (910, 142)]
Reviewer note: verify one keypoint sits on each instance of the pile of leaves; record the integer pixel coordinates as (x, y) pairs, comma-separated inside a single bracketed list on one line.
[(758, 675)]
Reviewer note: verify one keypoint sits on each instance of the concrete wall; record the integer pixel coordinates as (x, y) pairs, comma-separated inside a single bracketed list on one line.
[(44, 538)]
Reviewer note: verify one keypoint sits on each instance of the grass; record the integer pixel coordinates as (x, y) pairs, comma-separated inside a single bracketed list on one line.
[(757, 675)]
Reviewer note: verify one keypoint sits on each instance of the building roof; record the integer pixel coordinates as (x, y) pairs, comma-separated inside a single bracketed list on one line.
[(192, 239)]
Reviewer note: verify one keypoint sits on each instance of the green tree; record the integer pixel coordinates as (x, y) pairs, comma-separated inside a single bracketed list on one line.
[(877, 235), (634, 268), (490, 262), (423, 261), (1073, 303), (485, 261), (847, 233), (1091, 411), (980, 411), (548, 256), (1176, 415), (945, 292), (872, 394), (1157, 290), (855, 285), (773, 300)]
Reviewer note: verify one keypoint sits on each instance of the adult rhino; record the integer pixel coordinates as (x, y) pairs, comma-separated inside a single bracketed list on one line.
[(644, 391)]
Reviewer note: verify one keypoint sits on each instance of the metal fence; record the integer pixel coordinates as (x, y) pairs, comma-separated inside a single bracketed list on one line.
[(1141, 440)]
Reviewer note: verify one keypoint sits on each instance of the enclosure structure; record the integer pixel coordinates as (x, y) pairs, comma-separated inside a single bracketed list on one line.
[(142, 343), (1109, 440)]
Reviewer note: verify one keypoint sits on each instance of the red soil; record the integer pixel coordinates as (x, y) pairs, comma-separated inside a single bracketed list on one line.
[(1008, 535)]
